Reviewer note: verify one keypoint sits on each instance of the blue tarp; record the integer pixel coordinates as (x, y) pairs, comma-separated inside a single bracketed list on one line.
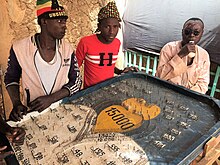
[(148, 25)]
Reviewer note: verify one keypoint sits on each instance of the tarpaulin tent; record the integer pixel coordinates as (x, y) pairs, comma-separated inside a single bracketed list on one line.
[(148, 25)]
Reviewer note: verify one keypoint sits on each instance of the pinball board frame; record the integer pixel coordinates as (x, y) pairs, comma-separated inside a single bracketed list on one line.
[(191, 149)]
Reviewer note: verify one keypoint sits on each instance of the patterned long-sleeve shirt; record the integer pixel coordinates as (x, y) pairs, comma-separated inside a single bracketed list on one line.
[(22, 65)]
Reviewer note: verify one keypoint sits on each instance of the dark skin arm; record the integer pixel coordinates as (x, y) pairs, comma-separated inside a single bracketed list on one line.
[(186, 49), (4, 153), (39, 104), (18, 108), (15, 135), (127, 69), (43, 102)]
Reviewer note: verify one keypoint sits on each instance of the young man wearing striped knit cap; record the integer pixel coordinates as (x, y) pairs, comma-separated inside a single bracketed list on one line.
[(45, 63), (99, 51)]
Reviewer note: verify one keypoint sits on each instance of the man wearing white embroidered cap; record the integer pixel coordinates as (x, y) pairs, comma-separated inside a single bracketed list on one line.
[(184, 62), (99, 52)]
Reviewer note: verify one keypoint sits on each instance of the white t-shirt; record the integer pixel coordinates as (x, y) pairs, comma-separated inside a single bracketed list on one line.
[(48, 70)]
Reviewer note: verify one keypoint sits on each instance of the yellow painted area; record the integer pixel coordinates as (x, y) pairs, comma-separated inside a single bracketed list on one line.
[(116, 118), (140, 106)]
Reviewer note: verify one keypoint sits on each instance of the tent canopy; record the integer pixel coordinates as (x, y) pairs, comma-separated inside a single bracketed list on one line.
[(149, 25)]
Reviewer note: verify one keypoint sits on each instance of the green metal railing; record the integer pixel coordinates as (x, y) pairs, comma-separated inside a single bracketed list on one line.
[(147, 62), (214, 88), (144, 62)]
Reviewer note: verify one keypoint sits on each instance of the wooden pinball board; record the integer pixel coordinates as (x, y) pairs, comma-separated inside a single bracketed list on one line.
[(64, 135), (131, 119)]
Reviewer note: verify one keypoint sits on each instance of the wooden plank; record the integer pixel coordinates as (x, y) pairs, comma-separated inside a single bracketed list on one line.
[(212, 143), (211, 157), (211, 152)]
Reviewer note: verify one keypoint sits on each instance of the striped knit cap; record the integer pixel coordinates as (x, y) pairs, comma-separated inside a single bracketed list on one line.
[(50, 9), (109, 11)]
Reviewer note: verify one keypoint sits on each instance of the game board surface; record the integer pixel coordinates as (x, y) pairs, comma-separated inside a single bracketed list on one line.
[(131, 119)]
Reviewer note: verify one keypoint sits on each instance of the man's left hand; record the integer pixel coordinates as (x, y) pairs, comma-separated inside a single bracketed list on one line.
[(4, 153), (16, 135), (41, 103), (131, 68)]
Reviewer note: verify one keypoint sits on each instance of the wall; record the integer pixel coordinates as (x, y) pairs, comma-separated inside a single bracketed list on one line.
[(18, 20)]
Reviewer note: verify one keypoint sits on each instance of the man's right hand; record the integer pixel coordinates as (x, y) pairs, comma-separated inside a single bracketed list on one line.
[(18, 112), (4, 153), (186, 49)]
